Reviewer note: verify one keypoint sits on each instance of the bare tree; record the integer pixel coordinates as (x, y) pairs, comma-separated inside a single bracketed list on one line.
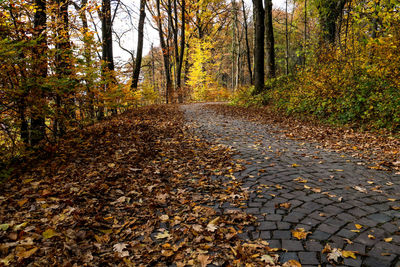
[(139, 50)]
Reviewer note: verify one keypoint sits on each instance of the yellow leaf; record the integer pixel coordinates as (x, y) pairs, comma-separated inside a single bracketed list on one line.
[(392, 199), (358, 226), (388, 240), (348, 253), (300, 233), (294, 165), (395, 207), (111, 165), (49, 233), (371, 237)]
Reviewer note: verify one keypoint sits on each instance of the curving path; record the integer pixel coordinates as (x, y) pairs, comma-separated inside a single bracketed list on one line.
[(328, 193)]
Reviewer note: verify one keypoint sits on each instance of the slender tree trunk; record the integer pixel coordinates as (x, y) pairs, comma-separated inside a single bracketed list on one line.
[(38, 126), (269, 40), (179, 51), (165, 54), (259, 46), (139, 50), (247, 43), (305, 33), (286, 39)]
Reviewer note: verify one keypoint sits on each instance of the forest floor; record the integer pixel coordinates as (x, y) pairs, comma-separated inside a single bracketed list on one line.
[(202, 184)]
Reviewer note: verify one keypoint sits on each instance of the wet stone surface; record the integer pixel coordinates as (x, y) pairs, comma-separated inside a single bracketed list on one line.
[(328, 193)]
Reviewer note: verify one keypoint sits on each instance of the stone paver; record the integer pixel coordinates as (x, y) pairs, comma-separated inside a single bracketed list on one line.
[(328, 199)]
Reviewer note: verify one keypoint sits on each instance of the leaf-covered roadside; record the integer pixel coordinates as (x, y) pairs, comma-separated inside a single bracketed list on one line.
[(380, 151), (134, 190)]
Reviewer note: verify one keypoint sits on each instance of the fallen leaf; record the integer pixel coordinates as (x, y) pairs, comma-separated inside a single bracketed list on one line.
[(348, 241), (294, 165), (162, 235), (300, 233), (358, 226), (291, 263), (316, 190), (348, 253), (49, 233), (395, 207), (371, 237), (326, 249), (26, 254), (388, 240), (203, 259), (111, 165), (392, 199), (285, 205), (197, 227), (6, 260), (164, 217), (4, 226), (167, 253), (268, 259), (334, 255), (360, 189), (119, 247), (211, 227), (300, 180), (22, 202)]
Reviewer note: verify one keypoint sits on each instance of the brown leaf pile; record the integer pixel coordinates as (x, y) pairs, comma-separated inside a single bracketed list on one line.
[(380, 150), (133, 190)]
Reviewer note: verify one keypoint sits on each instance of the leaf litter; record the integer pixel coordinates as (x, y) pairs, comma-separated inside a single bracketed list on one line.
[(135, 189)]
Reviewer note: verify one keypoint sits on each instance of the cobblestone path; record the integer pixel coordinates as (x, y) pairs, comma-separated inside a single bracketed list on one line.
[(328, 193)]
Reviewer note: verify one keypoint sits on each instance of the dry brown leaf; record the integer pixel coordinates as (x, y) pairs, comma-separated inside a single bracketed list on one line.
[(24, 254), (300, 233), (203, 259), (291, 263)]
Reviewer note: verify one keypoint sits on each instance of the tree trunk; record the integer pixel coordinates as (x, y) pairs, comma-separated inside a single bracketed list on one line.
[(38, 126), (329, 12), (87, 42), (139, 50), (269, 40), (286, 39), (247, 43), (259, 46), (107, 49), (64, 103), (179, 52), (165, 53)]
